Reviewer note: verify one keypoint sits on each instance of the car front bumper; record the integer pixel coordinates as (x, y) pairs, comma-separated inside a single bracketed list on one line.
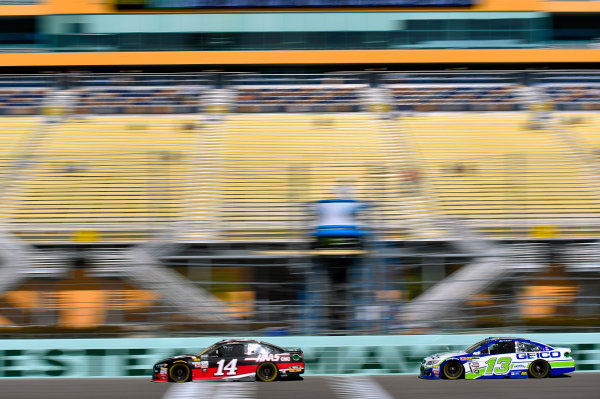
[(429, 372)]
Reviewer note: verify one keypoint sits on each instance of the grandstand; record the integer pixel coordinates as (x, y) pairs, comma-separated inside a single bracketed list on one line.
[(191, 195), (497, 171), (104, 171), (493, 167)]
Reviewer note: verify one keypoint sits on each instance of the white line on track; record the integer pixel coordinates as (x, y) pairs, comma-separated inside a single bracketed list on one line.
[(212, 389), (358, 387)]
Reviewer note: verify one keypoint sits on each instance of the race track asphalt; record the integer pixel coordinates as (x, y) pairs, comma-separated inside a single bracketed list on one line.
[(575, 386)]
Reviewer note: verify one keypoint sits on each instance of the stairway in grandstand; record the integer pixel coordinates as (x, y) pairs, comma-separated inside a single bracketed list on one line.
[(412, 206), (13, 262), (140, 265), (582, 129), (15, 133), (503, 176)]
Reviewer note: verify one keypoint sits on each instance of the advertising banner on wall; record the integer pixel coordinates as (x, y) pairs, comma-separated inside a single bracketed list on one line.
[(134, 357)]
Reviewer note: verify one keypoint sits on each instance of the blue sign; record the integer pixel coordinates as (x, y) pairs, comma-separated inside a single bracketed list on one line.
[(190, 4)]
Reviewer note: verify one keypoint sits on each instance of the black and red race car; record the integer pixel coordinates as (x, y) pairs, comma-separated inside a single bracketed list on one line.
[(232, 360)]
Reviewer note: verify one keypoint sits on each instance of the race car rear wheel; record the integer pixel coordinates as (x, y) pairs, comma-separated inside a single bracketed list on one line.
[(539, 369), (453, 370), (180, 372), (267, 372)]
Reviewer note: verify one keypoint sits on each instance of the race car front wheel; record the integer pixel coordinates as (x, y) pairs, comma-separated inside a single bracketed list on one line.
[(453, 370), (267, 372), (539, 369), (180, 372)]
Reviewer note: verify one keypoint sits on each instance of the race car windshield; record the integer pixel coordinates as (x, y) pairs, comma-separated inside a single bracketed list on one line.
[(213, 346), (477, 345)]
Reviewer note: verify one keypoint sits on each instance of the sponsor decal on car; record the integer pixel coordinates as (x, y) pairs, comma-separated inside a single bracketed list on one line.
[(270, 357), (201, 365), (538, 355), (474, 367)]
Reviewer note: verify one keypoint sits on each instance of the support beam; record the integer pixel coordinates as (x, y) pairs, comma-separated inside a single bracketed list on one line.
[(141, 266)]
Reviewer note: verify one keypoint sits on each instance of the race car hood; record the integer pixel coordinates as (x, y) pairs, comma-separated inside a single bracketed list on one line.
[(178, 357), (438, 357)]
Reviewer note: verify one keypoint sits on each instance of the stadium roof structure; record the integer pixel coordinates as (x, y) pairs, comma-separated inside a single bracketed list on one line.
[(100, 35)]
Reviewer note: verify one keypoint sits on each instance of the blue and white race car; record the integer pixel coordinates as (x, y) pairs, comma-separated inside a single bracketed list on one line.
[(499, 357)]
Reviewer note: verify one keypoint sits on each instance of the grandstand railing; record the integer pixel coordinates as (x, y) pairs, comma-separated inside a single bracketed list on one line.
[(292, 98), (143, 79), (453, 77), (454, 91), (335, 78), (32, 81), (565, 77)]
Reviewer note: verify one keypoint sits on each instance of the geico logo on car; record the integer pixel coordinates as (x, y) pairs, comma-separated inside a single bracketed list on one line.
[(538, 355)]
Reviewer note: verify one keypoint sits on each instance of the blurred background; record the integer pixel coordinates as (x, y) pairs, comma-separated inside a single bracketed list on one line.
[(206, 168)]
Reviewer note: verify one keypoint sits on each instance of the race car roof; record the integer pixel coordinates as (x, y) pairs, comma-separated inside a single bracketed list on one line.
[(245, 340)]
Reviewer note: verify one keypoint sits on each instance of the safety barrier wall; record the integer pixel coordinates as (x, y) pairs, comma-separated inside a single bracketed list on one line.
[(133, 357)]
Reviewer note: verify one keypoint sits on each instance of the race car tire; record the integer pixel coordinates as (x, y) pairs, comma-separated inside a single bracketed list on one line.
[(453, 370), (267, 372), (180, 372), (539, 369)]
